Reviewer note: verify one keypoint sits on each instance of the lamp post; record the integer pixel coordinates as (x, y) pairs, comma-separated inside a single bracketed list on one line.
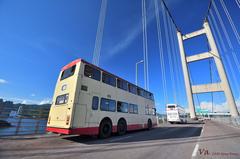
[(136, 80)]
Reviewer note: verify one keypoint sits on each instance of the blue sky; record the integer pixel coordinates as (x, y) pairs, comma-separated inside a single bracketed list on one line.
[(39, 37)]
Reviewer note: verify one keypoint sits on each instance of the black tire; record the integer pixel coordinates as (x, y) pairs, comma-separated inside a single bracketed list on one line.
[(149, 124), (105, 129), (121, 127)]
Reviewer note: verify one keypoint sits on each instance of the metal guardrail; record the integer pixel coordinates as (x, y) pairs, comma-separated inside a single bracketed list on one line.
[(233, 121), (23, 119)]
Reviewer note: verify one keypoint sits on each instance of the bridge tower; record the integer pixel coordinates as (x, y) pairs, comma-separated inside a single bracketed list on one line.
[(222, 86)]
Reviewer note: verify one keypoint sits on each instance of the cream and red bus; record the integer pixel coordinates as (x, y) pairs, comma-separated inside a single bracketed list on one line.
[(91, 101)]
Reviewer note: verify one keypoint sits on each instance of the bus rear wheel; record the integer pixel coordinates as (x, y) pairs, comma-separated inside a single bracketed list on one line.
[(121, 127), (105, 129), (149, 124)]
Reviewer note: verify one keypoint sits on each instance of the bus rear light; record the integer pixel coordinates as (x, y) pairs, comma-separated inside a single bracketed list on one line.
[(49, 118), (68, 118)]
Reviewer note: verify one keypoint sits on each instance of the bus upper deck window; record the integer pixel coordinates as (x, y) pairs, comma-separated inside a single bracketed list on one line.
[(68, 72), (92, 72)]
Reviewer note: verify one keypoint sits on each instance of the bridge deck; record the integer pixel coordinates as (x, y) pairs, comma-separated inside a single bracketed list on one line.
[(166, 141)]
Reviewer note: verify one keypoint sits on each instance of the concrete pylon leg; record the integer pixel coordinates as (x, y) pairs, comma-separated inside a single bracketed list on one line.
[(221, 71), (214, 87), (186, 77)]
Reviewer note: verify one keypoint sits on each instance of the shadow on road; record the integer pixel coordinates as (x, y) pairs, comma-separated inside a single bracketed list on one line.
[(160, 133)]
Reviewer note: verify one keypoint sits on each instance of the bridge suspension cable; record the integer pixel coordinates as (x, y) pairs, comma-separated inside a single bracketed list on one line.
[(179, 82), (226, 36), (160, 47), (99, 36), (165, 21), (173, 61), (238, 3), (145, 45), (170, 15), (230, 21), (222, 45)]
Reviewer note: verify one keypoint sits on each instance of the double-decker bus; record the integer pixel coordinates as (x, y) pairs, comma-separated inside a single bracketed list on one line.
[(91, 101), (176, 114)]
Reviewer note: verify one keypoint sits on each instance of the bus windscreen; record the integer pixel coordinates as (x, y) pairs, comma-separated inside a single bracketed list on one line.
[(68, 72), (171, 106)]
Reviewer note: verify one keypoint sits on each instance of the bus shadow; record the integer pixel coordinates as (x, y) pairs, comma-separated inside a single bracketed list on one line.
[(157, 134)]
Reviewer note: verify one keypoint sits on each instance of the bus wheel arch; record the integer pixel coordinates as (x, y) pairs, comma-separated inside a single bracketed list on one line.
[(105, 128), (121, 126), (149, 124)]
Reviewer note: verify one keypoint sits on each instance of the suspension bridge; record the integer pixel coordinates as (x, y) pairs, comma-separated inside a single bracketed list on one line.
[(171, 51), (215, 138)]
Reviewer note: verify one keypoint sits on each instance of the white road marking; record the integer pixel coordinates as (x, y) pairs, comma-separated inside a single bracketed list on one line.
[(118, 139), (194, 154)]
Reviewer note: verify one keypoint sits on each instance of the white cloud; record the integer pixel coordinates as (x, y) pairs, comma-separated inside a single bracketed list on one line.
[(24, 102), (132, 33), (3, 81), (33, 95), (220, 107), (27, 101), (45, 101)]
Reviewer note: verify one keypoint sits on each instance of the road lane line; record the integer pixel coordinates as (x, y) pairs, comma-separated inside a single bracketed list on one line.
[(118, 139), (194, 154)]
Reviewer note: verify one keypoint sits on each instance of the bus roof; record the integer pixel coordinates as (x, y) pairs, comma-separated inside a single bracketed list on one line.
[(82, 60)]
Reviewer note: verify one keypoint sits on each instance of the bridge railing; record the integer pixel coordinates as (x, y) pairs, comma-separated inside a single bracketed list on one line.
[(233, 121), (27, 121)]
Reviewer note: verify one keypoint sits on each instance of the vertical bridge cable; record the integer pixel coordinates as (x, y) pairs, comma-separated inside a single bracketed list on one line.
[(160, 47), (173, 61), (226, 36), (99, 36), (177, 62), (230, 21), (168, 47), (145, 46)]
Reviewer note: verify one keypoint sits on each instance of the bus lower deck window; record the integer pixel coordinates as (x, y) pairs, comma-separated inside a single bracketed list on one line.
[(108, 105), (95, 101), (122, 107)]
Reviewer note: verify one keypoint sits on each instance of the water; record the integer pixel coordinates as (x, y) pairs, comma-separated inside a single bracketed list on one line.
[(23, 126)]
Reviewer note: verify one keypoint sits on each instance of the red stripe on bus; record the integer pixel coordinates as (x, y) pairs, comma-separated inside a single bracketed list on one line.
[(93, 130), (71, 64), (80, 131)]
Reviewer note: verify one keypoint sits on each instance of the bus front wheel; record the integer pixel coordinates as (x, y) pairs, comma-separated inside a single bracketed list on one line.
[(149, 124), (121, 127), (105, 129)]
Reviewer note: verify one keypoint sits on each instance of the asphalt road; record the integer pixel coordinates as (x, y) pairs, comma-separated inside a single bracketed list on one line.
[(218, 141), (166, 141)]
